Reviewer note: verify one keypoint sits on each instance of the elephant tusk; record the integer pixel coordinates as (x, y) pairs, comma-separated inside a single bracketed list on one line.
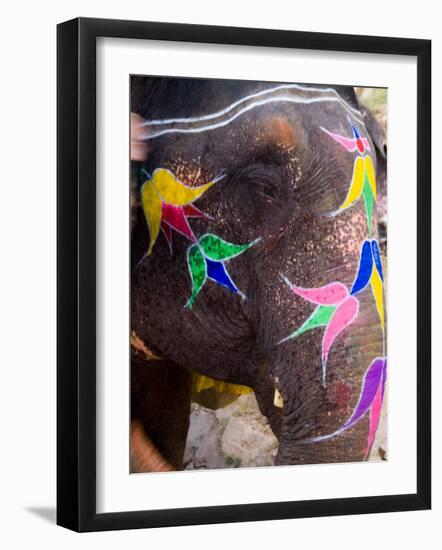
[(277, 399)]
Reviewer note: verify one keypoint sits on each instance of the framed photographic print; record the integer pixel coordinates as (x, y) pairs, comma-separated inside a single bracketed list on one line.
[(243, 274)]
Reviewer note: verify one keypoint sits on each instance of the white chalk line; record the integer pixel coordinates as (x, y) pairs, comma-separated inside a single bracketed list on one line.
[(288, 99)]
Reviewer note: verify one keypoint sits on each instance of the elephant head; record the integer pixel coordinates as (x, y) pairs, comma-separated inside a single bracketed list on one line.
[(254, 253)]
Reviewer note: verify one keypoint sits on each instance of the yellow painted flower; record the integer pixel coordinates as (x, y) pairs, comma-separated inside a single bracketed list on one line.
[(167, 203), (363, 181)]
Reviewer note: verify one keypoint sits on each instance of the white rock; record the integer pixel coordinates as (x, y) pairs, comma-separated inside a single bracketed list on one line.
[(247, 443), (202, 423), (208, 454)]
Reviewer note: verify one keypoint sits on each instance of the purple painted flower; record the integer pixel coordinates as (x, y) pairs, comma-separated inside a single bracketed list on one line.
[(370, 401)]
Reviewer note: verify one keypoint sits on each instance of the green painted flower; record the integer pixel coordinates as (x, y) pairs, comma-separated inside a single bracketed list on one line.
[(206, 260)]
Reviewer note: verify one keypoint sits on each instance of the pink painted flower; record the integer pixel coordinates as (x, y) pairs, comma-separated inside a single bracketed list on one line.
[(336, 309), (336, 306)]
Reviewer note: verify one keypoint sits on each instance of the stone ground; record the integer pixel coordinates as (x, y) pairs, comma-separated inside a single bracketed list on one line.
[(234, 436), (238, 435)]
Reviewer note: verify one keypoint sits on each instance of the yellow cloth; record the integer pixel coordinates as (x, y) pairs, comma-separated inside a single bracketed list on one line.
[(201, 383)]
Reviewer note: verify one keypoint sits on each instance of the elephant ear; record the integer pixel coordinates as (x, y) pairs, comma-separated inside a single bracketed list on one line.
[(217, 249), (379, 139), (376, 132)]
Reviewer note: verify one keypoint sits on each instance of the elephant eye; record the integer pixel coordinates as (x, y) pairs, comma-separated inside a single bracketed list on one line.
[(263, 182), (266, 189)]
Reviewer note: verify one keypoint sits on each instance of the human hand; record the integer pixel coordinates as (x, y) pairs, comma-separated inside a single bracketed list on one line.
[(138, 145)]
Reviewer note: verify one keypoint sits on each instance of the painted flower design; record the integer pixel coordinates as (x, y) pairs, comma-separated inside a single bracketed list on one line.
[(335, 310), (167, 205), (363, 181), (370, 272), (356, 143), (336, 306), (206, 260), (370, 401)]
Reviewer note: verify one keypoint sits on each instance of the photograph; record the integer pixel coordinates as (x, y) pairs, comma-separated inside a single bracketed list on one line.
[(258, 274), (225, 248)]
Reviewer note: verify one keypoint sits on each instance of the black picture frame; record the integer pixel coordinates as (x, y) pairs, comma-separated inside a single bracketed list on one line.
[(76, 274)]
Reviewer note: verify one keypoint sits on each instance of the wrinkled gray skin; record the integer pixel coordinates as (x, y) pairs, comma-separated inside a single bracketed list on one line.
[(283, 174)]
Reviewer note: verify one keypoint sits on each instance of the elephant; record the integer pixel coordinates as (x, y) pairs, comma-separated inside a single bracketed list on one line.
[(254, 261)]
